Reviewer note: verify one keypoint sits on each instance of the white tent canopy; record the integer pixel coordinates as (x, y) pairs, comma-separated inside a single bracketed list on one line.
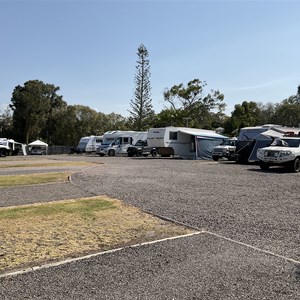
[(38, 147), (38, 143)]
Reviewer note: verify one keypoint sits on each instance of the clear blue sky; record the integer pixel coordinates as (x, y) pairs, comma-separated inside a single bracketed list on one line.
[(249, 50)]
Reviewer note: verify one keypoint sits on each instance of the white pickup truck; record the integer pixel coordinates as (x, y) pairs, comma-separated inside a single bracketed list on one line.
[(282, 152), (226, 149)]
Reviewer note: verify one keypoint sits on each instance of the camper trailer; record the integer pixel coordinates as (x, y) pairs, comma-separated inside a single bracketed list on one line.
[(89, 144), (10, 147), (184, 142), (117, 142), (252, 138)]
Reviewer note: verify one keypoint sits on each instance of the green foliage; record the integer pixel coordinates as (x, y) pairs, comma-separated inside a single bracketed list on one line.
[(245, 115), (287, 112), (31, 105), (141, 113), (6, 124), (191, 106)]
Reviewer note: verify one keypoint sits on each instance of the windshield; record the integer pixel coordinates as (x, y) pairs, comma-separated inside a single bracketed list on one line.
[(286, 142), (82, 144), (228, 143), (106, 143)]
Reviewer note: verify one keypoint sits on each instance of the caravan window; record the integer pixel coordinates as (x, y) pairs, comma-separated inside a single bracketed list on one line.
[(173, 135)]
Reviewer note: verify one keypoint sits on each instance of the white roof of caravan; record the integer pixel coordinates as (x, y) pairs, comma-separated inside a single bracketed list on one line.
[(201, 132), (38, 143)]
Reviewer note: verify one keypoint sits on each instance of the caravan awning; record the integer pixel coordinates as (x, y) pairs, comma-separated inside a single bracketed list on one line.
[(202, 133)]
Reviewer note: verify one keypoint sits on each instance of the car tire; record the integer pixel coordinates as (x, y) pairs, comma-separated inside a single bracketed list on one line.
[(264, 166), (3, 153), (295, 165), (154, 153), (111, 152), (215, 158), (139, 154)]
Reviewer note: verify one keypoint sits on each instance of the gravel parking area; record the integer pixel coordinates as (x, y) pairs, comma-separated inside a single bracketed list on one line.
[(249, 247), (237, 201)]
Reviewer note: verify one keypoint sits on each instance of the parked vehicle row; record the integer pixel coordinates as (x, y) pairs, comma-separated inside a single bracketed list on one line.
[(252, 145)]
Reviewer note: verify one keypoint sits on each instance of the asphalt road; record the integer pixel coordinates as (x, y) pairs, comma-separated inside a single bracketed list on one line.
[(247, 248)]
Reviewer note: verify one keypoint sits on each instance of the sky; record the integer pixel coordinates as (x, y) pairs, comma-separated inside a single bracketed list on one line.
[(248, 50)]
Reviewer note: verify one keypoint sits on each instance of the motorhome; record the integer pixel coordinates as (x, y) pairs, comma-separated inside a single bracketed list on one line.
[(184, 142), (117, 142), (11, 147), (89, 144)]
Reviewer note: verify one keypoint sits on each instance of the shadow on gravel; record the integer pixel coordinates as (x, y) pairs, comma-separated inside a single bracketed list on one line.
[(275, 170), (297, 273)]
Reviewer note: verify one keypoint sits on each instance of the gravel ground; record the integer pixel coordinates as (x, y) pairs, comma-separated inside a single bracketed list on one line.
[(238, 201), (244, 212)]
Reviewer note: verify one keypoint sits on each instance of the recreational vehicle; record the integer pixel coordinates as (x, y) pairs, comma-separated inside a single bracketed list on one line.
[(184, 142), (117, 142), (10, 147), (89, 144)]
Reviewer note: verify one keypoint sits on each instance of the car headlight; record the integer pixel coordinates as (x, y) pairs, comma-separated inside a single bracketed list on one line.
[(285, 153), (259, 151)]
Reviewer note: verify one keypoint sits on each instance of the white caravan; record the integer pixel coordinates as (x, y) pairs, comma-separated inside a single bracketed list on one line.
[(117, 142), (190, 143), (89, 143)]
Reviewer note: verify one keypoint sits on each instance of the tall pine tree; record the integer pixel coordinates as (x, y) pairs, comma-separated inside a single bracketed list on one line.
[(141, 113)]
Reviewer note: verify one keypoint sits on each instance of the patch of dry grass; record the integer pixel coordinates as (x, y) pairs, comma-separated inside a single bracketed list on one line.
[(35, 234), (46, 163), (27, 179)]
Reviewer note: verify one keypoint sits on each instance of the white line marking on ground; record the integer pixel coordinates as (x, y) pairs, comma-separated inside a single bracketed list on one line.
[(54, 264), (252, 247)]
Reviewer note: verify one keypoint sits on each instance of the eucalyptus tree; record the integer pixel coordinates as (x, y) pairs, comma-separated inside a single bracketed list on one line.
[(287, 112), (191, 106), (141, 112)]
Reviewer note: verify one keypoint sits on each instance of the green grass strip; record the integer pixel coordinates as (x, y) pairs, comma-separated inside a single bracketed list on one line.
[(28, 179), (83, 208)]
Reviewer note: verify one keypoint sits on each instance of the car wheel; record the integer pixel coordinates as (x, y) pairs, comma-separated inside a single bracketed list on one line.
[(111, 152), (295, 165), (139, 154), (154, 153), (101, 154), (264, 166), (2, 153), (215, 158)]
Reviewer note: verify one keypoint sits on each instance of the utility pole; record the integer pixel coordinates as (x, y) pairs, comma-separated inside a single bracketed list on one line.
[(187, 121)]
